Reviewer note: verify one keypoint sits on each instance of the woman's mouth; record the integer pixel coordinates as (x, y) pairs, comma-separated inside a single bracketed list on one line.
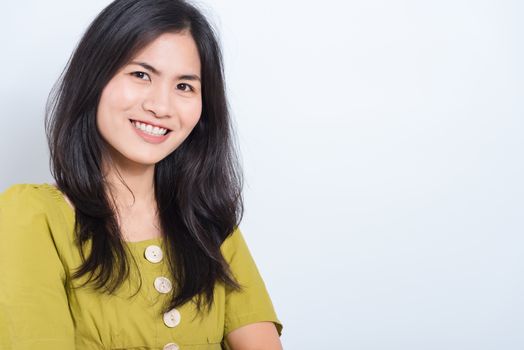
[(149, 133), (149, 129)]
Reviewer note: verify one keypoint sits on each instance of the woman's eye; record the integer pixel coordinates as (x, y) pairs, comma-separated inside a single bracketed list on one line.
[(141, 75), (185, 87)]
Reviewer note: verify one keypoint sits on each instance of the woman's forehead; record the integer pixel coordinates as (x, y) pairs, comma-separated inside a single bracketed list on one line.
[(170, 52)]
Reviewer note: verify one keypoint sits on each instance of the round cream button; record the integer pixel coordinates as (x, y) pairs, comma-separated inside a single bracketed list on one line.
[(163, 285), (171, 346), (154, 254), (172, 318)]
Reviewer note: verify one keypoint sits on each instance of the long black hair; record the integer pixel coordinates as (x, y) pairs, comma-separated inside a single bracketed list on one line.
[(198, 187)]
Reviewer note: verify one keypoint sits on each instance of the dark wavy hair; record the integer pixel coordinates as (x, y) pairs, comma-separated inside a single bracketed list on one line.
[(198, 187)]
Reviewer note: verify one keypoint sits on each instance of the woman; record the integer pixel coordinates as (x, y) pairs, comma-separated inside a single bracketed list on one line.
[(137, 245)]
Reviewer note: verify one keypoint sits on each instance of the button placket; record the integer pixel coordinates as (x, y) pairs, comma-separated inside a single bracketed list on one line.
[(163, 285), (154, 255)]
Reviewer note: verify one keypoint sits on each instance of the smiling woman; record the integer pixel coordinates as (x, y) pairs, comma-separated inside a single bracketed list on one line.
[(137, 245), (158, 90)]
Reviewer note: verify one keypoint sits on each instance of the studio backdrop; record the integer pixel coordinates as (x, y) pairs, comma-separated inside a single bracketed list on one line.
[(382, 144)]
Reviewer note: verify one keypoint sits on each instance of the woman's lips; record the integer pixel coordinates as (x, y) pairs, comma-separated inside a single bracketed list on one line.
[(154, 139)]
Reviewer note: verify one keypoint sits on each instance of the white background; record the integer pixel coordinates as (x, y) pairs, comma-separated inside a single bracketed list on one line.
[(382, 143)]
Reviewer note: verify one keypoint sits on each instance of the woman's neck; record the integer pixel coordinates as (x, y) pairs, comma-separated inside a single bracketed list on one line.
[(132, 195), (130, 185)]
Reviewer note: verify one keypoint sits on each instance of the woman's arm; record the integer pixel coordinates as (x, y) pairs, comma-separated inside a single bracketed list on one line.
[(255, 336), (34, 308), (250, 319)]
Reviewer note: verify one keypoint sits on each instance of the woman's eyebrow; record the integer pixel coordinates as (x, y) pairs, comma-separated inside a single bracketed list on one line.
[(189, 77), (147, 66), (157, 72)]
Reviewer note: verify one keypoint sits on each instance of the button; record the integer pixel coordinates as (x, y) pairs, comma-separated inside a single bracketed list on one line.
[(154, 254), (172, 318), (163, 285), (171, 346)]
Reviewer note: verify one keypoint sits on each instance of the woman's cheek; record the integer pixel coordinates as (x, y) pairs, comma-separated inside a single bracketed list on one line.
[(195, 112), (131, 95), (121, 94)]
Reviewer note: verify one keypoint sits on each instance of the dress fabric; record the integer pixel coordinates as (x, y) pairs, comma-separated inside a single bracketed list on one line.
[(42, 308)]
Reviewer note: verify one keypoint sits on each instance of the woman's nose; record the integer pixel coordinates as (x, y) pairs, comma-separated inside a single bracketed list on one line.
[(158, 101)]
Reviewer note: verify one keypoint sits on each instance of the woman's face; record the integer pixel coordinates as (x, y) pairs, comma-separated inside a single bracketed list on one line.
[(159, 88)]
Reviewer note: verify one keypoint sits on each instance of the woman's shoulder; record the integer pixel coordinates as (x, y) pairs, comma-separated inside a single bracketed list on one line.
[(30, 216), (237, 253), (24, 198), (232, 242)]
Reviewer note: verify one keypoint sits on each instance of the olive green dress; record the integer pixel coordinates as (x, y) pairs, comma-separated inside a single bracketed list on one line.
[(40, 309)]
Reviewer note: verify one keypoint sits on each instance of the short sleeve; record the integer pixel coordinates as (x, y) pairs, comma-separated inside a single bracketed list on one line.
[(34, 308), (253, 303)]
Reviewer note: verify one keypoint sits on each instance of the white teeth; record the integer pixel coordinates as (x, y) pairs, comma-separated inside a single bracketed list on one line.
[(149, 129)]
